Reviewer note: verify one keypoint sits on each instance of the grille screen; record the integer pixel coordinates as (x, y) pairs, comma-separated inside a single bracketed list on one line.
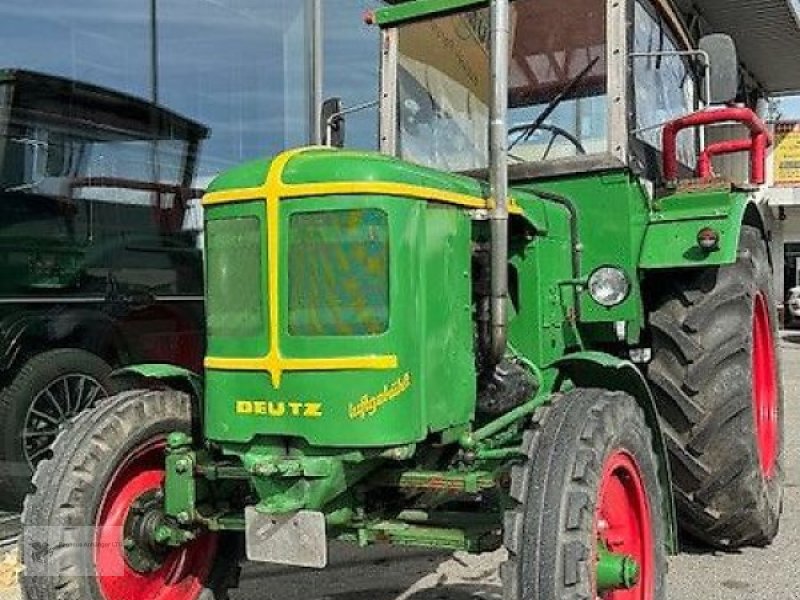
[(339, 273), (235, 289)]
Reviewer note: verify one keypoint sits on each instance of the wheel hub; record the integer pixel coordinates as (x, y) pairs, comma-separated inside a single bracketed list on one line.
[(143, 553), (130, 561), (615, 571)]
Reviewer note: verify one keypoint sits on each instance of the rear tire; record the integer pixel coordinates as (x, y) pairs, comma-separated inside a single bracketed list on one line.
[(72, 524), (36, 405), (715, 372), (590, 474)]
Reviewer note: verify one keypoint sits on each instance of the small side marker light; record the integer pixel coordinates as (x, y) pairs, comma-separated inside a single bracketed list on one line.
[(708, 239), (369, 17)]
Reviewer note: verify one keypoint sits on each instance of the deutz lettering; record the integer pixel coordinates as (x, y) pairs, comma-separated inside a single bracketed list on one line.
[(266, 408)]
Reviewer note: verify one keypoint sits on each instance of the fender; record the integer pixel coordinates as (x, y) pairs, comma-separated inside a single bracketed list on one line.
[(186, 380), (172, 376), (24, 332), (596, 369), (670, 239)]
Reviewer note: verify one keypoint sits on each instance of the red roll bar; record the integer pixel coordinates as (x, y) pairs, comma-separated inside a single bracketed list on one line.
[(757, 144)]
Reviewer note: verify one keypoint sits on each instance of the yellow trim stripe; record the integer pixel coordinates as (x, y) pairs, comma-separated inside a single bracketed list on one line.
[(274, 362), (286, 191)]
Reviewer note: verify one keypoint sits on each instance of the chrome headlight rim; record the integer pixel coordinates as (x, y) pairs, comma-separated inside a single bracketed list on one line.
[(617, 299)]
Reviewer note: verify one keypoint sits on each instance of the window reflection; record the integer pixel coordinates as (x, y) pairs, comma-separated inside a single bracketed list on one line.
[(351, 66), (238, 66)]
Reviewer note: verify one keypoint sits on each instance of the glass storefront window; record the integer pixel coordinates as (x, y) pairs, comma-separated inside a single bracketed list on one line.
[(239, 67), (105, 42), (352, 66)]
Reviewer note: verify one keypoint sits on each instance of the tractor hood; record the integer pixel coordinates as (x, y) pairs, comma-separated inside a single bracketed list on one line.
[(331, 166)]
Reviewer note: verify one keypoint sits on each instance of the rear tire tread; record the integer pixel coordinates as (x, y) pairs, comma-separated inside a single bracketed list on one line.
[(721, 497)]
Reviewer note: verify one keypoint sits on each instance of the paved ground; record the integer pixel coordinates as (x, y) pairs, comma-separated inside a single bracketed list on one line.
[(389, 574)]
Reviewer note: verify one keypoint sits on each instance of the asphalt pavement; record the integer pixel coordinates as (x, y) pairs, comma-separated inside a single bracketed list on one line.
[(382, 573)]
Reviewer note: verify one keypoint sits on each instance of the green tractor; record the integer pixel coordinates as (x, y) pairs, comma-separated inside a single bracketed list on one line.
[(531, 321)]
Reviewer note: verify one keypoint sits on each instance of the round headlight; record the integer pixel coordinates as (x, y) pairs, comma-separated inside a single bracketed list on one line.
[(609, 286)]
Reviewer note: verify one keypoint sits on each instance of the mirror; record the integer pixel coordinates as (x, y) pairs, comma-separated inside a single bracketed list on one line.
[(723, 69), (332, 121)]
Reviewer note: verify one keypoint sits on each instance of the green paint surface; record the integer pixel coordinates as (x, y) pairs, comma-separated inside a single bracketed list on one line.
[(429, 329), (331, 166), (671, 238), (416, 9), (248, 175)]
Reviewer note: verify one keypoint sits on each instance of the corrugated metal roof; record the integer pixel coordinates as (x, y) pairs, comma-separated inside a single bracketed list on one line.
[(767, 34)]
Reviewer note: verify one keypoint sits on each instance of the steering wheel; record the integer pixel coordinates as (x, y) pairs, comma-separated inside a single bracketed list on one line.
[(528, 129)]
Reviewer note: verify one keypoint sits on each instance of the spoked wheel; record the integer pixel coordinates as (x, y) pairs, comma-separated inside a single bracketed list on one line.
[(59, 402), (716, 378), (590, 520), (49, 391), (90, 527)]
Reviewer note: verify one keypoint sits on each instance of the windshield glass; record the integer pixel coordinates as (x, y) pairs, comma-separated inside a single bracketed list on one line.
[(444, 85)]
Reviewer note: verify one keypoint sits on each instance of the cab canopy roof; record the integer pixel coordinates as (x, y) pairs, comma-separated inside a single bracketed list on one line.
[(767, 32), (39, 98), (767, 35)]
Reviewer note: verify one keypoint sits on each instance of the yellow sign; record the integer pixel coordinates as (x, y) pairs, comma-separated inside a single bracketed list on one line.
[(368, 405), (265, 408), (786, 155)]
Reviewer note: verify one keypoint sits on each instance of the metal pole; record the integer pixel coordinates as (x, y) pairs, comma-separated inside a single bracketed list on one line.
[(498, 175), (155, 166), (154, 51), (316, 66)]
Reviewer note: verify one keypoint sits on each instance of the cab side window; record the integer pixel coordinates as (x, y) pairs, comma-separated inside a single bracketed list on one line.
[(664, 85)]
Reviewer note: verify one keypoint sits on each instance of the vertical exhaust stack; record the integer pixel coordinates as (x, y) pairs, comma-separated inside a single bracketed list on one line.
[(498, 175)]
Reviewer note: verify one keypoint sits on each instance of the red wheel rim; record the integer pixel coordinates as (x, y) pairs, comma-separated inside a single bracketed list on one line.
[(185, 570), (765, 389), (623, 523)]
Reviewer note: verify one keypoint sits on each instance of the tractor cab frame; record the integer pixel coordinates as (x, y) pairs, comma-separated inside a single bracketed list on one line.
[(618, 75)]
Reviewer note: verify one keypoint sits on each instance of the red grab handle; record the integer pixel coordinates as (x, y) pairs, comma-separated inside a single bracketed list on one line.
[(757, 144)]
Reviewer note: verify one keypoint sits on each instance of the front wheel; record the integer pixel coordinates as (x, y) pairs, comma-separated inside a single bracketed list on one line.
[(588, 521), (103, 483)]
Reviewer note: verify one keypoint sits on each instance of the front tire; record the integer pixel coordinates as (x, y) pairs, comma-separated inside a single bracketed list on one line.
[(113, 457), (590, 479), (715, 373)]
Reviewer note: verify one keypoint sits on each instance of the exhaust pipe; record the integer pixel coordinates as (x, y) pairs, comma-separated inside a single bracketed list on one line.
[(498, 177)]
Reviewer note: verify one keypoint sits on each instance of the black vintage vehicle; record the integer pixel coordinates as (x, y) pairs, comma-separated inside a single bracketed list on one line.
[(99, 260)]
